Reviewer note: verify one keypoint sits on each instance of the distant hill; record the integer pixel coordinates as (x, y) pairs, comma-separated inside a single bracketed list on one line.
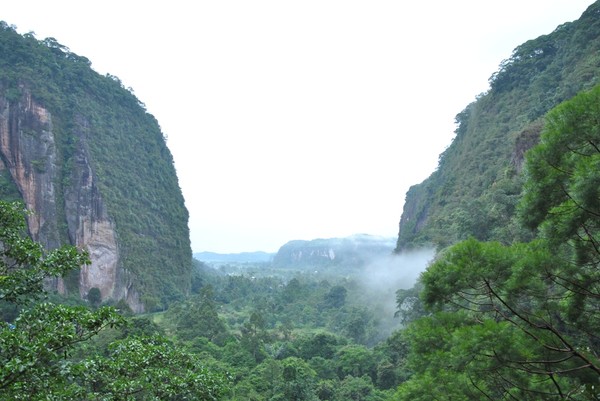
[(352, 251), (242, 257)]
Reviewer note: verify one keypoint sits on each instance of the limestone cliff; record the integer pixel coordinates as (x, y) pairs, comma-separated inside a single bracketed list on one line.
[(353, 251), (92, 165), (28, 151)]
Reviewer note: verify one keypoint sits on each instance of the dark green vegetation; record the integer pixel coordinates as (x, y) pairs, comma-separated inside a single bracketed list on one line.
[(509, 309), (53, 351), (130, 162), (291, 334), (285, 335), (522, 321), (477, 183)]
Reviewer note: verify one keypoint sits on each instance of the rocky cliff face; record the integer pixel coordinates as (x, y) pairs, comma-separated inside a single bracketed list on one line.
[(87, 158), (28, 151)]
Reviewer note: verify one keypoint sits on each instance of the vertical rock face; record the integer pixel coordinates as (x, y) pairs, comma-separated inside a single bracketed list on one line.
[(57, 193), (29, 153), (90, 228)]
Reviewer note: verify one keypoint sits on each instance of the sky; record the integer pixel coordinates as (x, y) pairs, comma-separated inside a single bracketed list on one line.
[(297, 119)]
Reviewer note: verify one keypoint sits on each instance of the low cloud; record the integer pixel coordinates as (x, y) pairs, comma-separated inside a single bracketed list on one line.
[(397, 270), (384, 276)]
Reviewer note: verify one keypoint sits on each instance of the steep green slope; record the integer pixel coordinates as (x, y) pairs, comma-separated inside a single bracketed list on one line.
[(94, 117), (474, 190)]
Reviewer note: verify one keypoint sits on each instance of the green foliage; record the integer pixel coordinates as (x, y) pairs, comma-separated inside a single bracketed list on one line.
[(409, 305), (298, 382), (500, 326), (148, 369), (356, 360), (8, 189), (320, 344), (94, 297), (35, 348), (273, 317), (254, 335), (336, 297), (357, 389), (23, 265), (562, 200), (521, 321), (48, 352), (562, 195), (197, 317)]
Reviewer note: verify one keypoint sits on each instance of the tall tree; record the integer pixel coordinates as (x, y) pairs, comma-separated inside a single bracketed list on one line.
[(562, 200), (254, 335), (199, 318), (298, 383)]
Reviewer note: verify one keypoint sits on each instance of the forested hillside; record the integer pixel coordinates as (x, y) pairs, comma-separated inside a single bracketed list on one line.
[(477, 183), (85, 156)]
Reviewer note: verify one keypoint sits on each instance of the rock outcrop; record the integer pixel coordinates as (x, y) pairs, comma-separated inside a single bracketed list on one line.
[(29, 152), (353, 251)]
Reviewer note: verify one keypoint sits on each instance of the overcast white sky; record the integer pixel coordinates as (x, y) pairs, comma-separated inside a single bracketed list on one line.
[(297, 119)]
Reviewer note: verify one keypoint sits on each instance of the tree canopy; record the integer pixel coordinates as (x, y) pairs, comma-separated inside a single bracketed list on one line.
[(521, 321), (40, 349)]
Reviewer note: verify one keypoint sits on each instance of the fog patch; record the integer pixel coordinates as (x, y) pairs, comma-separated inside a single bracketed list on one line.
[(397, 271), (383, 276)]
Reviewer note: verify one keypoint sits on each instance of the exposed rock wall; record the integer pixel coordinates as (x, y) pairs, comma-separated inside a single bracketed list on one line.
[(29, 151)]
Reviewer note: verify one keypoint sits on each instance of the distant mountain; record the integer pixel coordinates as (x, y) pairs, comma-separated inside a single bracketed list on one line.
[(242, 257), (353, 251)]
